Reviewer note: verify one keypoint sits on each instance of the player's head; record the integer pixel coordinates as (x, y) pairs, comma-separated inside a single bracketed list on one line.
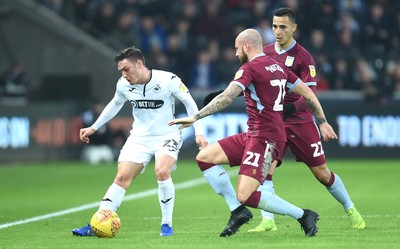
[(131, 63), (247, 44), (284, 25)]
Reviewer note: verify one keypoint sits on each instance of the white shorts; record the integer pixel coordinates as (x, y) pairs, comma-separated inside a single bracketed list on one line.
[(142, 149)]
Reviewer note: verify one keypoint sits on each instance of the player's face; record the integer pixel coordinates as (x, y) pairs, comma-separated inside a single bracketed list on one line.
[(283, 30), (130, 71), (240, 53)]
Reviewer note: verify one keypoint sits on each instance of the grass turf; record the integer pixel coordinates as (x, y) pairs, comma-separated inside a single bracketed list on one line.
[(200, 215)]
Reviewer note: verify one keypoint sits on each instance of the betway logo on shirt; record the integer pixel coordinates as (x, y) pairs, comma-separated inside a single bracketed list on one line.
[(147, 104)]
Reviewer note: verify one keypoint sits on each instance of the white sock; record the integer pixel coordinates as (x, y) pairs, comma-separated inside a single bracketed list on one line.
[(219, 180), (113, 197), (166, 198), (339, 192), (273, 203), (268, 186)]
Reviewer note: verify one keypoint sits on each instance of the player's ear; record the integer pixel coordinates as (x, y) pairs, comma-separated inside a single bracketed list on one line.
[(294, 27)]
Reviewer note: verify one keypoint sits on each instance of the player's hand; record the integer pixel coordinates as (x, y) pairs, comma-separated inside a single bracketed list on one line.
[(327, 132), (85, 133), (201, 141), (184, 122)]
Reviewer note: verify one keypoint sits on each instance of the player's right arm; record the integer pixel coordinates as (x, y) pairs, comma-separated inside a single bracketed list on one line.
[(111, 109)]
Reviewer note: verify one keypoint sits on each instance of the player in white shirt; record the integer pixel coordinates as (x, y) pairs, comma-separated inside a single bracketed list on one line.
[(152, 95)]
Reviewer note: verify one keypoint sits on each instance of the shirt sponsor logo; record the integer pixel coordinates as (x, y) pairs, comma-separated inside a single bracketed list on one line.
[(289, 61), (147, 104)]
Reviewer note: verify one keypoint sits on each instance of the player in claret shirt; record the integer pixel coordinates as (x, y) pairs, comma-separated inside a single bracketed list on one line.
[(264, 83), (302, 134)]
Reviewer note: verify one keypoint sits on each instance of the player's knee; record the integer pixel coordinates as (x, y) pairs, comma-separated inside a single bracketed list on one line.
[(202, 156), (163, 174), (324, 177), (122, 181), (242, 197)]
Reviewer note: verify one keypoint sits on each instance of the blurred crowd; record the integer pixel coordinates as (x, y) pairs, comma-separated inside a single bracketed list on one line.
[(355, 43)]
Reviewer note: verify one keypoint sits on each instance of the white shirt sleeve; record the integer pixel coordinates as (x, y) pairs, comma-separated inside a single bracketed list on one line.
[(111, 109), (182, 93)]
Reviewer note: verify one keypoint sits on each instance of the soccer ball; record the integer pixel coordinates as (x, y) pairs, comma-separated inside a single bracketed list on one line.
[(105, 223)]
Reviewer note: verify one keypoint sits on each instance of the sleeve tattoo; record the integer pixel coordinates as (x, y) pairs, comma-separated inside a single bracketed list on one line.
[(317, 111), (220, 102)]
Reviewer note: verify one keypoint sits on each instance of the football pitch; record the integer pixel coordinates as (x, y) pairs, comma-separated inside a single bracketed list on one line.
[(42, 203)]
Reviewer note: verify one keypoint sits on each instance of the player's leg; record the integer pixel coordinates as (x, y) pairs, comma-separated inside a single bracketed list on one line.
[(131, 162), (127, 171), (267, 218), (260, 156), (305, 143), (336, 188), (166, 191), (273, 203), (166, 154), (208, 160)]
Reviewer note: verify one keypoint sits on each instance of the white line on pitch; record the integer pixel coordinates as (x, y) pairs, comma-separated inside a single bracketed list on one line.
[(150, 192)]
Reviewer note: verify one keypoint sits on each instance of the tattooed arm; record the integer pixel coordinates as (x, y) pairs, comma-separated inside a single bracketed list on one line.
[(219, 103), (312, 101)]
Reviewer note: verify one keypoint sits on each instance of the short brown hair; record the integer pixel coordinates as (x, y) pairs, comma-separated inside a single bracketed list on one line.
[(131, 53), (285, 11)]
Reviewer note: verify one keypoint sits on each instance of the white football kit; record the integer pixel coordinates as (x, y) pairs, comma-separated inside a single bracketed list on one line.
[(153, 106)]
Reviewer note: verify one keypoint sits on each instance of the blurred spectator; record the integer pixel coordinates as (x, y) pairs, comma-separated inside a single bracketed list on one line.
[(178, 55), (394, 74), (212, 23), (203, 72), (80, 13), (335, 32), (264, 27), (14, 86), (342, 79), (355, 7), (346, 54), (322, 15), (126, 33), (316, 44), (366, 78), (324, 71), (104, 144), (376, 31), (104, 20), (228, 66), (151, 35)]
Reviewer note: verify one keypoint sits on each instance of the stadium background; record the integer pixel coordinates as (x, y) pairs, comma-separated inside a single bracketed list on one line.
[(66, 48)]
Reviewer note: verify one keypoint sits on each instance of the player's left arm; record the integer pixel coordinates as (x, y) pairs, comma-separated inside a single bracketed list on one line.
[(307, 74), (182, 93), (312, 101), (298, 105)]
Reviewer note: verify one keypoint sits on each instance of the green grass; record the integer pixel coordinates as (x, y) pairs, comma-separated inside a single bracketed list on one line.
[(200, 215)]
